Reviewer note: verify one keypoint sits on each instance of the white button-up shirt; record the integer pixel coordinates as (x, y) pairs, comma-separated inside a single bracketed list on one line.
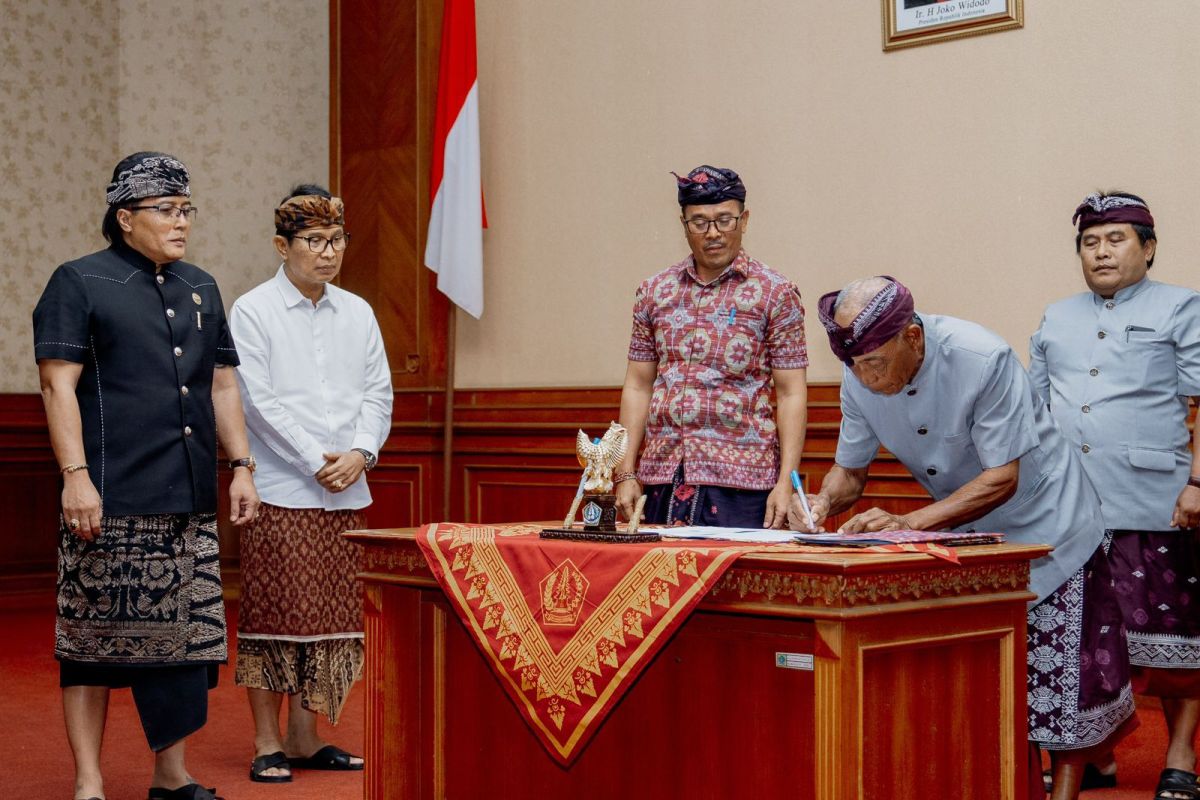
[(314, 380)]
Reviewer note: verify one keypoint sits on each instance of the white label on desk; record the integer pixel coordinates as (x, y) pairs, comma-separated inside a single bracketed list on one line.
[(802, 661)]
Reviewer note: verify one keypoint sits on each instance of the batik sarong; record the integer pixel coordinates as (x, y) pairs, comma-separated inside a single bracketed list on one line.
[(1157, 577), (321, 672), (300, 628), (146, 590), (682, 503), (1078, 681)]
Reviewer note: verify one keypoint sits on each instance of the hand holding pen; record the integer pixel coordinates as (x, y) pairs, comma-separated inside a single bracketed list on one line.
[(806, 512)]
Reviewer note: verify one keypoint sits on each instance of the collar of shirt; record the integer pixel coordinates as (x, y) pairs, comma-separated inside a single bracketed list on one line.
[(928, 364), (1124, 295), (136, 259), (293, 297), (740, 265)]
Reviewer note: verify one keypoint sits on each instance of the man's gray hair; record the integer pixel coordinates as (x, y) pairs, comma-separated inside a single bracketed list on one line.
[(855, 295)]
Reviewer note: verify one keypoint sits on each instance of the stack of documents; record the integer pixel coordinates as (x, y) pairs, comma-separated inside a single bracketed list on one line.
[(767, 536)]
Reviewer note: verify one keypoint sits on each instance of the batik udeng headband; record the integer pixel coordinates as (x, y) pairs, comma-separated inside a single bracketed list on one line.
[(153, 176), (309, 211), (1097, 209), (887, 313)]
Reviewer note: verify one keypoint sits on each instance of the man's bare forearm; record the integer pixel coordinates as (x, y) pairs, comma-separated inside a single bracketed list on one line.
[(843, 487), (979, 496)]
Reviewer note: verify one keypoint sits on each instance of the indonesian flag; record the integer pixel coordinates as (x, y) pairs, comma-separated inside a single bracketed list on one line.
[(454, 247)]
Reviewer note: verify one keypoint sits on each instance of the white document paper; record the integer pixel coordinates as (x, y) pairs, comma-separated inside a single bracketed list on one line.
[(745, 535)]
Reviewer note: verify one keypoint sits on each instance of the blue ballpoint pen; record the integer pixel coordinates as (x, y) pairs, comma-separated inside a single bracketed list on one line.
[(803, 498)]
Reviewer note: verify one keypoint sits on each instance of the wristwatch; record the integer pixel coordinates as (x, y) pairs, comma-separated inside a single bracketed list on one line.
[(248, 462), (1194, 480), (371, 458)]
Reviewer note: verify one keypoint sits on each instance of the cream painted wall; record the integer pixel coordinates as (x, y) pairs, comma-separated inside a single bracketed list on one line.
[(57, 146), (239, 90), (954, 167)]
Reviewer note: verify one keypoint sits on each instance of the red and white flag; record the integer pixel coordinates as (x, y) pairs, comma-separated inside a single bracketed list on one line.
[(454, 246)]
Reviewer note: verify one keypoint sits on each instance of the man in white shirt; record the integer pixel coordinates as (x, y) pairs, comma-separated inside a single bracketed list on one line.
[(317, 394)]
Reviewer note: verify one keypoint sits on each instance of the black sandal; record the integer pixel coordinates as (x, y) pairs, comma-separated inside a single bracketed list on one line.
[(191, 791), (270, 761), (1176, 784), (328, 757)]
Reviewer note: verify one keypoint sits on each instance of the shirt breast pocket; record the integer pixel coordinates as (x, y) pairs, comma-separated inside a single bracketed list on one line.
[(1150, 355), (1152, 459)]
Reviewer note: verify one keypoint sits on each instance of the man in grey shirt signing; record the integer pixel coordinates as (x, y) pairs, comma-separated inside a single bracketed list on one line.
[(952, 402), (1116, 365)]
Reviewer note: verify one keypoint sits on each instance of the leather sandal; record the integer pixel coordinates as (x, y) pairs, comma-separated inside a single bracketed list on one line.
[(191, 791), (1176, 784), (328, 757), (276, 760)]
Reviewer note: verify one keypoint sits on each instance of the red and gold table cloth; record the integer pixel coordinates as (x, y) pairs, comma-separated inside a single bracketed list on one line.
[(568, 626)]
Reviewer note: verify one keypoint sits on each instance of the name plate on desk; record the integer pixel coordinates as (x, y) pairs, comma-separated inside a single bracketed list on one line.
[(802, 661)]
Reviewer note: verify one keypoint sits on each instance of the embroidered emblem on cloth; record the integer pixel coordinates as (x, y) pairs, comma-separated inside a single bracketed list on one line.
[(566, 663), (563, 593)]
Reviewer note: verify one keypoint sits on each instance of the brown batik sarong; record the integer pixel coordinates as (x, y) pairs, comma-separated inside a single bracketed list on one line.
[(321, 672), (146, 590), (300, 625)]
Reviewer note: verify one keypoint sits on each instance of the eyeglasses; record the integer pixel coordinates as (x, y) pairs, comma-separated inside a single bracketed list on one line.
[(724, 224), (317, 244), (169, 211)]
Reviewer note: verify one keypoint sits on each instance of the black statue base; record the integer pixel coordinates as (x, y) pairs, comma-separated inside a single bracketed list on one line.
[(599, 524), (613, 537)]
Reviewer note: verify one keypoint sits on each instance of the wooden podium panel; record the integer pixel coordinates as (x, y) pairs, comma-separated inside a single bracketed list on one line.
[(916, 687)]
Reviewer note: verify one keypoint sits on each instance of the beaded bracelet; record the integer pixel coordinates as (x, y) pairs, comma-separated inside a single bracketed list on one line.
[(621, 477)]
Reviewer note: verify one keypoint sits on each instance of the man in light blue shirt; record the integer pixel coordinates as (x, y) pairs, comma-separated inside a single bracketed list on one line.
[(1116, 365), (952, 402)]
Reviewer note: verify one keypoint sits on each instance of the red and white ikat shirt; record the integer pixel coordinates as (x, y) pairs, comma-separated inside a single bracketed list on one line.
[(716, 345)]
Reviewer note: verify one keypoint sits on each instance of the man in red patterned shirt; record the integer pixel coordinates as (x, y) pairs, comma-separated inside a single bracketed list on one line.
[(711, 335)]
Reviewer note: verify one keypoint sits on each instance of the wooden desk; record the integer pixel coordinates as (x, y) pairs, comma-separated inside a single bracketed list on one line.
[(917, 688)]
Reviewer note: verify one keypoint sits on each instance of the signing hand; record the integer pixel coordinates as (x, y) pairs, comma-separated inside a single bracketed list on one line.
[(818, 504)]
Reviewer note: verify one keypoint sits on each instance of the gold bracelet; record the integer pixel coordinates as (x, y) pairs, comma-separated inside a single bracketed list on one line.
[(69, 468), (621, 477)]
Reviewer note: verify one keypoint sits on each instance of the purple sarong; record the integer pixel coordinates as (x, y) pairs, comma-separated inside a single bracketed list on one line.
[(1078, 681), (1158, 585)]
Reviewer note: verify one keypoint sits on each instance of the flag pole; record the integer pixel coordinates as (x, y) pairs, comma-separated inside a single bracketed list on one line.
[(448, 416)]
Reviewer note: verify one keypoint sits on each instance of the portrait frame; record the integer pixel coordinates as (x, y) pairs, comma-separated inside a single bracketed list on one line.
[(908, 23)]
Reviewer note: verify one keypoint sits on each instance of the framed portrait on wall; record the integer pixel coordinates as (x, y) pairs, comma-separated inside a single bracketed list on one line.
[(912, 22)]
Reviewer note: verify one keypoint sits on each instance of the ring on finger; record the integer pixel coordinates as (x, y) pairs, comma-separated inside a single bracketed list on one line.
[(337, 484), (73, 524)]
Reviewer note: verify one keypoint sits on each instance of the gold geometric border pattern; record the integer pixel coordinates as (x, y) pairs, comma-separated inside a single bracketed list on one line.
[(618, 634), (837, 591)]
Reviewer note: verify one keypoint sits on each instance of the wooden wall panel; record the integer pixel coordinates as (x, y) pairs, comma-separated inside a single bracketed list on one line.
[(504, 438), (383, 85)]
